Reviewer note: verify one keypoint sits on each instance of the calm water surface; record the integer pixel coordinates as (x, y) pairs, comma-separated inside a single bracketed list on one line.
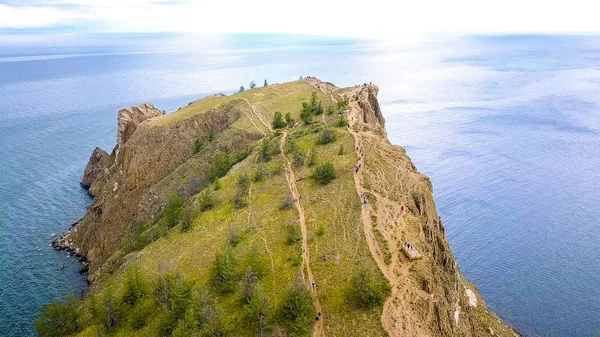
[(506, 127)]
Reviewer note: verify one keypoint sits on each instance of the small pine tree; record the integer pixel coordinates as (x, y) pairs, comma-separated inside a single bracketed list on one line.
[(134, 288), (297, 308), (265, 84), (306, 114), (252, 85), (366, 293), (278, 121), (324, 173), (224, 270), (221, 165), (59, 319), (326, 136), (206, 199), (259, 313), (198, 145), (173, 212), (242, 89), (289, 121)]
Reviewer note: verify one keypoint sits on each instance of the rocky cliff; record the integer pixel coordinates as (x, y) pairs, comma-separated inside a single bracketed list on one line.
[(377, 206)]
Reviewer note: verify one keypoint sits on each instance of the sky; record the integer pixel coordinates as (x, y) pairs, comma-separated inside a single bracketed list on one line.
[(342, 18)]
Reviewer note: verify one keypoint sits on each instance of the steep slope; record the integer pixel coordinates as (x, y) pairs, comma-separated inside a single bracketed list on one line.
[(207, 221)]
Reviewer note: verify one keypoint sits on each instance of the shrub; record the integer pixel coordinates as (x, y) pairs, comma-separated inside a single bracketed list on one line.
[(330, 110), (217, 185), (252, 85), (221, 165), (188, 219), (321, 230), (248, 286), (206, 199), (306, 113), (292, 235), (140, 315), (291, 147), (259, 175), (211, 136), (297, 310), (324, 173), (239, 156), (289, 121), (108, 310), (198, 145), (59, 319), (173, 212), (278, 121), (341, 150), (265, 84), (223, 273), (342, 123), (298, 160), (242, 88), (264, 153), (326, 136), (134, 288), (287, 203), (364, 292), (258, 313)]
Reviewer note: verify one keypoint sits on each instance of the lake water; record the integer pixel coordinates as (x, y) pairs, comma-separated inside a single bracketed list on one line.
[(507, 128)]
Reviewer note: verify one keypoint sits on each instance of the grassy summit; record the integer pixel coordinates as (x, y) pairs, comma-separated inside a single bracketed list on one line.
[(228, 260)]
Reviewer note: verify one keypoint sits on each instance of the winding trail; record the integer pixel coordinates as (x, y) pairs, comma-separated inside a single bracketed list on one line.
[(291, 178), (258, 115)]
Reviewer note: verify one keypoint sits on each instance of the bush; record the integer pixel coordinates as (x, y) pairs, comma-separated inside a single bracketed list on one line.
[(108, 310), (298, 160), (341, 150), (240, 155), (278, 121), (248, 286), (364, 292), (326, 136), (140, 315), (259, 175), (206, 199), (198, 145), (173, 212), (324, 173), (293, 235), (188, 219), (342, 123), (306, 113), (330, 110), (221, 165), (264, 151), (242, 88), (289, 121), (59, 319), (265, 84), (252, 85), (321, 230), (223, 273), (297, 310), (258, 313), (134, 288), (287, 203)]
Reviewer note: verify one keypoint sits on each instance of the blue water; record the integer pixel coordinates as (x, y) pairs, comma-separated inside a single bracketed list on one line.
[(507, 128)]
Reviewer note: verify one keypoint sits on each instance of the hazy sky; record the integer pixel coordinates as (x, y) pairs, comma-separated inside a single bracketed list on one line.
[(350, 18)]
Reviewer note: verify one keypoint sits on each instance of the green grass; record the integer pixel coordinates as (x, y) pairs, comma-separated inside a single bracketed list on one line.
[(336, 238)]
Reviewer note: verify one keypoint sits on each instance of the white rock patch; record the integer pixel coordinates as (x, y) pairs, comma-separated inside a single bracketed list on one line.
[(472, 297)]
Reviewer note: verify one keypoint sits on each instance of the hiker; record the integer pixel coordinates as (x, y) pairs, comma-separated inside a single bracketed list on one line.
[(313, 283), (402, 208), (319, 314)]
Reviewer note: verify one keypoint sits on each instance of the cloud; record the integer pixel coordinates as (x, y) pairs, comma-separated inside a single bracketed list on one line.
[(363, 18)]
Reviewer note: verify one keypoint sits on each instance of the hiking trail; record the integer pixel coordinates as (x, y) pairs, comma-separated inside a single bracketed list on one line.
[(289, 174)]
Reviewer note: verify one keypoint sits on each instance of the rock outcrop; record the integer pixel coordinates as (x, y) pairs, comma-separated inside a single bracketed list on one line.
[(98, 161)]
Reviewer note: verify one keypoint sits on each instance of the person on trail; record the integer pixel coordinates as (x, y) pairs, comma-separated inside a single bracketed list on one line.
[(402, 208), (313, 283), (319, 314)]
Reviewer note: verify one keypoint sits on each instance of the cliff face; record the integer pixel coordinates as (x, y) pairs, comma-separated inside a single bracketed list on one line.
[(129, 186), (154, 156)]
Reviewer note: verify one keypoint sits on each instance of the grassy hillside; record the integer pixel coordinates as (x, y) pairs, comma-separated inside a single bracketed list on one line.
[(228, 260)]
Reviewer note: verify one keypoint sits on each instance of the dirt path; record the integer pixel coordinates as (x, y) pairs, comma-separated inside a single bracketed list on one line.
[(258, 115), (289, 174), (256, 126)]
